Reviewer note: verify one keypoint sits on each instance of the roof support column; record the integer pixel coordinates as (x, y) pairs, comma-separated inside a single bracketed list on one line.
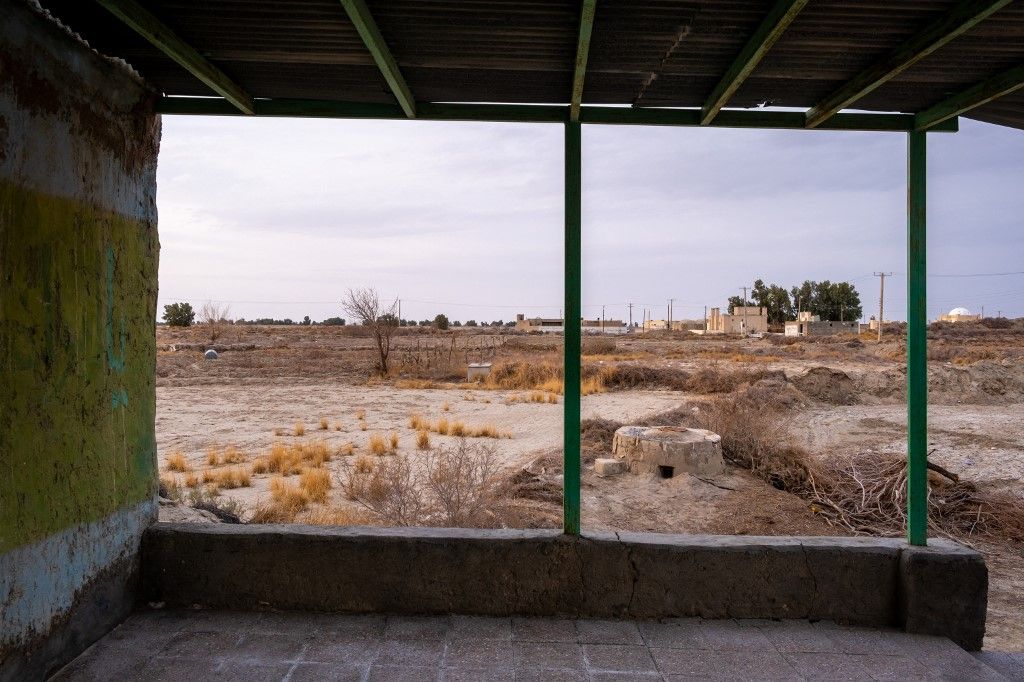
[(572, 331), (917, 343)]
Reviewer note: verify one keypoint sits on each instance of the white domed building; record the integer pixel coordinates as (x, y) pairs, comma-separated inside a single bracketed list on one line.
[(959, 315)]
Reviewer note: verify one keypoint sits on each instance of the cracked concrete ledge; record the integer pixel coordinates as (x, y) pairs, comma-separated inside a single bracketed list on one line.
[(879, 582)]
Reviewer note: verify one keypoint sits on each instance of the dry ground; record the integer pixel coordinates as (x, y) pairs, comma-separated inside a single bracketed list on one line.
[(845, 396)]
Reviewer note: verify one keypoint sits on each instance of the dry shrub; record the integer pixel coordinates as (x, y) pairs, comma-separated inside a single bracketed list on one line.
[(279, 432), (457, 429), (417, 423), (442, 426), (288, 496), (260, 465), (518, 375), (377, 445), (447, 406), (599, 346), (176, 462), (423, 439), (316, 453), (364, 464), (231, 477), (337, 426), (316, 483), (273, 512), (335, 516), (347, 450), (360, 414), (324, 424), (393, 442), (213, 455), (300, 429), (416, 383), (864, 493), (284, 460), (452, 487), (170, 487), (362, 425), (191, 480), (232, 455)]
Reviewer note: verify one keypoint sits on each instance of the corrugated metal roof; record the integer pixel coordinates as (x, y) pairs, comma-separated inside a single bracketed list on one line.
[(643, 52)]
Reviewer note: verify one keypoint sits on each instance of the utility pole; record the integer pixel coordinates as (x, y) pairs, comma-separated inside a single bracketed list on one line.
[(399, 312), (881, 301), (983, 312), (744, 302), (630, 315), (705, 319), (602, 319), (670, 301)]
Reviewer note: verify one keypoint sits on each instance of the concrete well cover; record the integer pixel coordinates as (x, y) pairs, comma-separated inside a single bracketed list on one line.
[(668, 451)]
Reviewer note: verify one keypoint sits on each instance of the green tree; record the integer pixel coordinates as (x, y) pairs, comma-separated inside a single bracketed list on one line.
[(179, 314), (441, 321), (828, 300), (775, 300)]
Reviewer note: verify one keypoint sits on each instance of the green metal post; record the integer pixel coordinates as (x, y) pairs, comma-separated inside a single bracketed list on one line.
[(572, 326), (917, 344)]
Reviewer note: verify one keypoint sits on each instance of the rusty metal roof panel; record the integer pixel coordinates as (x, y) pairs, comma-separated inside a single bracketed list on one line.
[(643, 52)]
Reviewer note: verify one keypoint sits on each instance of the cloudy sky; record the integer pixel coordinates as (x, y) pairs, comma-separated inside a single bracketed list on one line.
[(278, 217)]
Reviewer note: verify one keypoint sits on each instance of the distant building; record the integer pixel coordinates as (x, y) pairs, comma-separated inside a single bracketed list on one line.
[(959, 315), (677, 325), (743, 320), (807, 324), (556, 325)]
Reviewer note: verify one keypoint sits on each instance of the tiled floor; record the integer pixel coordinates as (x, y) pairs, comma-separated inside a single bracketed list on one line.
[(214, 645)]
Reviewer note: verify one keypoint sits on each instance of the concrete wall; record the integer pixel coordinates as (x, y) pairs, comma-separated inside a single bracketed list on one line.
[(941, 589), (78, 262)]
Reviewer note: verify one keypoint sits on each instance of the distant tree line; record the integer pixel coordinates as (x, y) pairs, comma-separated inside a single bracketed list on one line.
[(828, 300)]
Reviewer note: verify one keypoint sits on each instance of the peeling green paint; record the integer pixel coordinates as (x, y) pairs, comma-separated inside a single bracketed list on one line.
[(78, 353)]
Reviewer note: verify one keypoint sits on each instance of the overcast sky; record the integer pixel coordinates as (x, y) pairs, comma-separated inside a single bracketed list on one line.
[(278, 217)]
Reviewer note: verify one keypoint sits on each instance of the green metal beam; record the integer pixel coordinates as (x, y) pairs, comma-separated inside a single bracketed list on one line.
[(572, 324), (531, 113), (917, 342), (360, 15), (163, 38), (965, 15), (770, 30), (975, 96), (582, 52)]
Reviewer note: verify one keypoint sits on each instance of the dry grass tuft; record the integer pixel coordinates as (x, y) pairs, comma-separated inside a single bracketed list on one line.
[(393, 442), (284, 460), (335, 516), (337, 426), (457, 429), (347, 450), (170, 487), (176, 462), (316, 483), (191, 480), (423, 439), (416, 383), (446, 407), (362, 425), (364, 464), (290, 497), (416, 422), (324, 424), (213, 455), (488, 431), (280, 432), (300, 429), (360, 414), (231, 477), (232, 455), (377, 445), (260, 465), (442, 427)]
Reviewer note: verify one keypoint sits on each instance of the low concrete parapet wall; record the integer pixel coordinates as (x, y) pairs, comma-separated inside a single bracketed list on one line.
[(877, 582)]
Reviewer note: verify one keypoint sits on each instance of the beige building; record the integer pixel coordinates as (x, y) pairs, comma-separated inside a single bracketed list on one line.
[(556, 325), (677, 325), (807, 324), (743, 320), (959, 315)]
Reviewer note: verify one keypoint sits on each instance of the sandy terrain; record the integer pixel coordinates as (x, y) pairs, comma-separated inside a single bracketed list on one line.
[(845, 398)]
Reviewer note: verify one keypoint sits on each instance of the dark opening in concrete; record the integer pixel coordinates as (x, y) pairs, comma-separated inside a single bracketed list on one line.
[(666, 472)]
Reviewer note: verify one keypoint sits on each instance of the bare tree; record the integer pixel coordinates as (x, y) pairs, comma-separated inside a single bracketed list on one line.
[(365, 306), (215, 317)]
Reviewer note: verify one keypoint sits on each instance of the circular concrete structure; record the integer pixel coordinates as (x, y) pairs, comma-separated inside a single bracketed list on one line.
[(667, 451)]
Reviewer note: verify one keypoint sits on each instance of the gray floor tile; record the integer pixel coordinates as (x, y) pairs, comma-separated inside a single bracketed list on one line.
[(1011, 665), (200, 644), (826, 666), (417, 627), (893, 668), (481, 627), (625, 677), (692, 662), (401, 673), (248, 671), (608, 632), (101, 666), (328, 672), (756, 665), (269, 647), (860, 641), (549, 675), (547, 655), (618, 658), (488, 674), (469, 653), (178, 670), (352, 626), (725, 636), (411, 653), (334, 648), (543, 630), (799, 637), (677, 634)]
